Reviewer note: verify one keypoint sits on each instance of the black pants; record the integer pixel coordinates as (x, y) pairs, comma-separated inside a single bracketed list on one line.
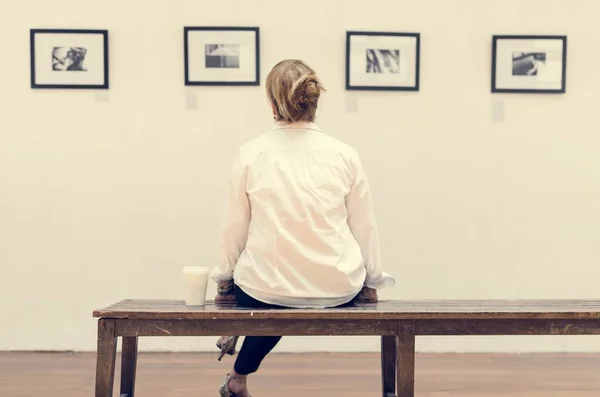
[(255, 348)]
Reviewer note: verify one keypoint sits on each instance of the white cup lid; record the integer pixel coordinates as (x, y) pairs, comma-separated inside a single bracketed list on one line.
[(195, 270)]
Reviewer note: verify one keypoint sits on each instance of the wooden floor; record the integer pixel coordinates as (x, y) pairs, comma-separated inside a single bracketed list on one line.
[(302, 375)]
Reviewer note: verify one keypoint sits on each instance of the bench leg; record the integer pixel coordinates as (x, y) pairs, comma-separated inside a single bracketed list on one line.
[(389, 360), (105, 358), (128, 365), (406, 359)]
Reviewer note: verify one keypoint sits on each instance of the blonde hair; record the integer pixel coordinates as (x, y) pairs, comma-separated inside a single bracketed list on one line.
[(294, 89)]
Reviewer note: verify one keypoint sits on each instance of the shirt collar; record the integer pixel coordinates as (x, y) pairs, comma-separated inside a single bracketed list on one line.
[(301, 125)]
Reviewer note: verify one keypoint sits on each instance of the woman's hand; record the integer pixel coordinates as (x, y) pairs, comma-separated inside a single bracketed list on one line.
[(225, 292), (368, 295)]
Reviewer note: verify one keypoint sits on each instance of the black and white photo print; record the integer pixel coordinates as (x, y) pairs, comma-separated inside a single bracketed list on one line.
[(55, 53), (382, 61), (221, 56), (529, 64), (69, 58)]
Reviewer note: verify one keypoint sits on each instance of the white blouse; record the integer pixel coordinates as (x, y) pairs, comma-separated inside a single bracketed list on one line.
[(299, 230)]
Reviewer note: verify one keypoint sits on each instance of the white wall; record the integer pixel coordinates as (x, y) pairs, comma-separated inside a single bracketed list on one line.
[(105, 196)]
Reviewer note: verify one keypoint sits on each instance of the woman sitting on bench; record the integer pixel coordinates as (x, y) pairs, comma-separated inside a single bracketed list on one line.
[(299, 230)]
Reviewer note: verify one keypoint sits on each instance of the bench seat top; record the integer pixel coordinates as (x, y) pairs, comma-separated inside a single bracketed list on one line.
[(149, 309)]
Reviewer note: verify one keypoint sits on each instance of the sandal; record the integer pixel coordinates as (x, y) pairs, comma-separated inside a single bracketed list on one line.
[(224, 389), (227, 345)]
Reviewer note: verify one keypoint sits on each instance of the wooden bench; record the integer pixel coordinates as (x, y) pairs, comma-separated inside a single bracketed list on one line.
[(397, 322)]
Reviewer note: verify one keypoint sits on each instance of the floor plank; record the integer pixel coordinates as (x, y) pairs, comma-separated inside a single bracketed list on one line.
[(314, 375)]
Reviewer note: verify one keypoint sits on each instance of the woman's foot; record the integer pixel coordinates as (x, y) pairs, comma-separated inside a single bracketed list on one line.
[(227, 345), (237, 385), (234, 385)]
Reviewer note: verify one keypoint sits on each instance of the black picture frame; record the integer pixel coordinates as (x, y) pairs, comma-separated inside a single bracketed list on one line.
[(32, 39), (186, 57), (494, 72), (417, 65)]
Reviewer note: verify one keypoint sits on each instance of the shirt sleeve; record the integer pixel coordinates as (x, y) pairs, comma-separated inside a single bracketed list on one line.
[(235, 223), (361, 219)]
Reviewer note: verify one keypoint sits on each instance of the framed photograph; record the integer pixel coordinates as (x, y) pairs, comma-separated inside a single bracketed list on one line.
[(529, 64), (222, 55), (67, 58), (382, 61)]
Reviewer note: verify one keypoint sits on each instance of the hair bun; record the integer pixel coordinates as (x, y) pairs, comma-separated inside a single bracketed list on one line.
[(307, 90), (312, 89)]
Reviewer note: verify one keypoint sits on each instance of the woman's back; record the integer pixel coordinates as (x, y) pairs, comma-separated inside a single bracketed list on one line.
[(300, 248)]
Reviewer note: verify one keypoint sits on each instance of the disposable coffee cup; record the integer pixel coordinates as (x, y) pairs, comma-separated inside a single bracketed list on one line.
[(195, 280)]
